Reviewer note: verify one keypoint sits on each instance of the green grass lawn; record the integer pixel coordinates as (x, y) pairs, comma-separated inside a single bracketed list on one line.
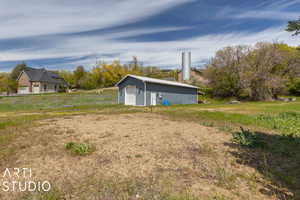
[(281, 117), (56, 101), (267, 115)]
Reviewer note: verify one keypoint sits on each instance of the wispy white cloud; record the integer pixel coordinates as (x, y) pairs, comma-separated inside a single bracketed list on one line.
[(268, 14), (35, 17), (281, 4), (52, 17), (267, 10), (165, 53)]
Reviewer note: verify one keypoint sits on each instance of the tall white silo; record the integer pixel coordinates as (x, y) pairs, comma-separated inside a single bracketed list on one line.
[(186, 65)]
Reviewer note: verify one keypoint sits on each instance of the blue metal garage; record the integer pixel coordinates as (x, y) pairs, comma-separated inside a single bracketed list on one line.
[(144, 91)]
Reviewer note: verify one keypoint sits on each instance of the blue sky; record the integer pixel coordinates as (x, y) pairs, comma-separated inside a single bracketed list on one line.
[(64, 34)]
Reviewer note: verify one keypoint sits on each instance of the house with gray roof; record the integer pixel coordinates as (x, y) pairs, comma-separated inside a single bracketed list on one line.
[(145, 91), (36, 81)]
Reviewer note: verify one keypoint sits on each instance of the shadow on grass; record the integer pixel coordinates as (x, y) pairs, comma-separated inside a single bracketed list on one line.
[(277, 159)]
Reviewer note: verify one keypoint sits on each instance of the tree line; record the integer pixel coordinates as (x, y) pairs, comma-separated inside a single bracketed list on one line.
[(108, 74), (261, 72), (100, 76)]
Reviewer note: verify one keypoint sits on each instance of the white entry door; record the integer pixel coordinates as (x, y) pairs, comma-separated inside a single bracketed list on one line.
[(153, 98), (130, 95)]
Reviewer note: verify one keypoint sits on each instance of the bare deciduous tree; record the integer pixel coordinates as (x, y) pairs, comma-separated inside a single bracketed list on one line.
[(224, 71), (263, 71)]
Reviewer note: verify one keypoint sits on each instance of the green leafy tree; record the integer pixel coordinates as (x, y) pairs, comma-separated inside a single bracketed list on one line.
[(3, 82), (294, 26), (108, 74), (7, 84), (291, 68), (225, 70), (97, 77), (87, 82), (79, 75), (112, 73), (294, 87), (68, 77), (290, 60), (17, 70)]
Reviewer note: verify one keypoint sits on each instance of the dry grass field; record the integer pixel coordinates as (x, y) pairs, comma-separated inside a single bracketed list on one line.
[(137, 156)]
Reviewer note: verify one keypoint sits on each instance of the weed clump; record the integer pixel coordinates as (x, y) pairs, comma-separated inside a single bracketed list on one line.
[(247, 138), (81, 149)]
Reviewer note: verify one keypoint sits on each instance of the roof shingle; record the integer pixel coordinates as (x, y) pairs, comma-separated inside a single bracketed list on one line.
[(43, 75)]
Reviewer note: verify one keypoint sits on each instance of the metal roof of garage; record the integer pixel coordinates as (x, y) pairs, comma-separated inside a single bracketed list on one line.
[(158, 81)]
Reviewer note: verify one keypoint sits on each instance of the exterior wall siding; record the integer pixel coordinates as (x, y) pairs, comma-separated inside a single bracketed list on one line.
[(139, 90), (50, 87), (38, 87), (174, 94), (25, 86), (24, 80)]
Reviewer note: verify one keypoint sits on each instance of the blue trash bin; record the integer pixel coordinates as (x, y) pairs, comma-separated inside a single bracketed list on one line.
[(166, 103)]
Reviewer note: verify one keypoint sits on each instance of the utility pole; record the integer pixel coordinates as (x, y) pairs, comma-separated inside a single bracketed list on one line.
[(96, 61)]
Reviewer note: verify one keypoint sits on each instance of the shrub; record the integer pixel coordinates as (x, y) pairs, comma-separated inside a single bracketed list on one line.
[(246, 138), (81, 149), (207, 91), (294, 88)]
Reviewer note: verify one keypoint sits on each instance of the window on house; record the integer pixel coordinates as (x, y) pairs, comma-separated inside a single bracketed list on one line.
[(55, 87), (45, 87)]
